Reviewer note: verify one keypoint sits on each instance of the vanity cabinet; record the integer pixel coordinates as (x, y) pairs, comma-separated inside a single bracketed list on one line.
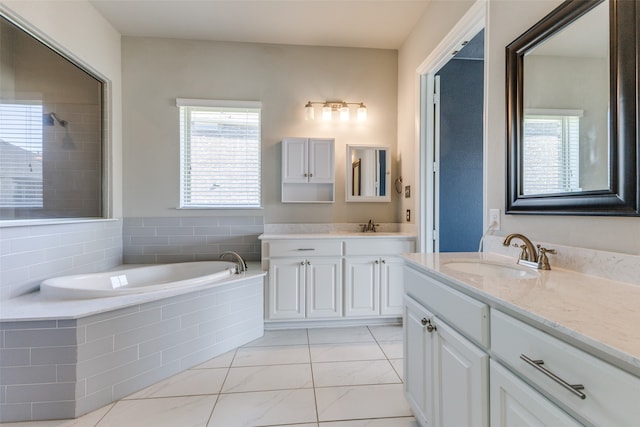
[(308, 170), (446, 374), (331, 278)]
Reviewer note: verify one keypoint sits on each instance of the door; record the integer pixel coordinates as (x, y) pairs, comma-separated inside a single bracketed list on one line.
[(362, 286), (418, 362), (463, 378), (295, 160), (516, 404), (287, 288), (324, 287), (391, 286), (321, 162)]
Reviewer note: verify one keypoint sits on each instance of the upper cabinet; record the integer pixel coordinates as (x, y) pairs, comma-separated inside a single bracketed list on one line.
[(368, 174), (308, 167)]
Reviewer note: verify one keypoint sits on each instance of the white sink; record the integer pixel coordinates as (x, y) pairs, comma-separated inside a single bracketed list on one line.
[(488, 269)]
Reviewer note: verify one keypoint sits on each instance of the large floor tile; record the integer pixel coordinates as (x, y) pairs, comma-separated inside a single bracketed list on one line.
[(399, 367), (188, 383), (340, 335), (387, 332), (88, 420), (284, 337), (222, 361), (193, 411), (361, 402), (345, 352), (274, 377), (265, 408), (274, 355), (380, 422), (354, 373), (392, 349)]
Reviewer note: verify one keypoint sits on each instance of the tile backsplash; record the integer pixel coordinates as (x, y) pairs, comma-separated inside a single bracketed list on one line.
[(157, 240), (609, 265)]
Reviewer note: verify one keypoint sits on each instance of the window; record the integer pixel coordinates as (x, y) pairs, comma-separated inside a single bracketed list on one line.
[(219, 154), (21, 155), (52, 163), (551, 152)]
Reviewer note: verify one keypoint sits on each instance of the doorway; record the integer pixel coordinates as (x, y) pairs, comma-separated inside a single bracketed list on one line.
[(459, 149), (441, 209)]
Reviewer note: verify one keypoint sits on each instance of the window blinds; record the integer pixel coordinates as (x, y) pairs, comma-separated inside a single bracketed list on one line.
[(21, 137), (219, 154)]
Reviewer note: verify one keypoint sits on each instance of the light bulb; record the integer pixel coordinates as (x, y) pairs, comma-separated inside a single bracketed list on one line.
[(309, 112), (362, 112), (326, 112), (344, 112)]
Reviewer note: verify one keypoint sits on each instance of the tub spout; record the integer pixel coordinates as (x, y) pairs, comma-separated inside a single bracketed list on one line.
[(241, 265)]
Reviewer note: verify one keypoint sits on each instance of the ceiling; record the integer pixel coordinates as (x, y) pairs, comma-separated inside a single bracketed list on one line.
[(382, 24)]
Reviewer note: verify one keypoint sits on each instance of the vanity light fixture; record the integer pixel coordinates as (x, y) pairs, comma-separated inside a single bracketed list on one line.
[(329, 107)]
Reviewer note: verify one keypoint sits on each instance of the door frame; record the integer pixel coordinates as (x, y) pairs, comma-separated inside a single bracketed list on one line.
[(473, 21)]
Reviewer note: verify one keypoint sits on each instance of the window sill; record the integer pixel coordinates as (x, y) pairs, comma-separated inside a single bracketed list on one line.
[(6, 223), (220, 208)]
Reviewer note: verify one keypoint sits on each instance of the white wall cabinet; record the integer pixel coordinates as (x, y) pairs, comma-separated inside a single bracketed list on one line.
[(308, 169), (446, 376)]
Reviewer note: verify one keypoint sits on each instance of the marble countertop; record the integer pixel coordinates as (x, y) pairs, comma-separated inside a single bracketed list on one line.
[(337, 235), (598, 315), (35, 307)]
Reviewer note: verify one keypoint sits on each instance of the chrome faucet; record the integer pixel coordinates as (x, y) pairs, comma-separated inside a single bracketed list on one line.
[(241, 265), (370, 226), (529, 256)]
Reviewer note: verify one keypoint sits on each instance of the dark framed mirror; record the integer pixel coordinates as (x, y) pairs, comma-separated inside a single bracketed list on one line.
[(572, 112)]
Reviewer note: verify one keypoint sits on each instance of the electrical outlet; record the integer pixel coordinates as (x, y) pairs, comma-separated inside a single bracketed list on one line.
[(408, 215), (494, 217)]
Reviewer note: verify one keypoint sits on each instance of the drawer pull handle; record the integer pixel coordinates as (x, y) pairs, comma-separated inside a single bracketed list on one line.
[(306, 249), (573, 388)]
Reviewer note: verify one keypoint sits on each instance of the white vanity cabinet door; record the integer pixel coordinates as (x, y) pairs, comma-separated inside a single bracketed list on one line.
[(462, 372), (287, 288), (295, 167), (362, 286), (418, 362), (324, 287), (321, 164), (516, 404), (391, 286)]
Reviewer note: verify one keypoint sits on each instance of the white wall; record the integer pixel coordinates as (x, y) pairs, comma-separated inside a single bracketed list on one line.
[(284, 78), (506, 21)]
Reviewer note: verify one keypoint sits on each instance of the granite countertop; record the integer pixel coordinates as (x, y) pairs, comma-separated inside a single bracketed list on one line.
[(337, 235), (35, 307), (598, 315)]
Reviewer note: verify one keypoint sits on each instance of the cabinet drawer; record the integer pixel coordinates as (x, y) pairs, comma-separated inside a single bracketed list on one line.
[(468, 316), (304, 248), (373, 246), (611, 394)]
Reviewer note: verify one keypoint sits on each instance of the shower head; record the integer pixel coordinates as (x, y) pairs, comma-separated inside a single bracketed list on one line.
[(62, 123)]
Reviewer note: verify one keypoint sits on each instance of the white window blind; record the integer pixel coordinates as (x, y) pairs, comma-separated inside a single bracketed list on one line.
[(219, 154), (21, 154), (551, 153)]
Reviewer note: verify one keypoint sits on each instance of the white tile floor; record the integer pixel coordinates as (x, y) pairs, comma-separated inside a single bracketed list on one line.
[(335, 377)]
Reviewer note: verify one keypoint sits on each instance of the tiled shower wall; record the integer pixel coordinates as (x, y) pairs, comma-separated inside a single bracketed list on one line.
[(149, 240), (31, 254)]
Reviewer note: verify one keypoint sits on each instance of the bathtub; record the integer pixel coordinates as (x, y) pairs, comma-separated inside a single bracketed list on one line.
[(136, 280)]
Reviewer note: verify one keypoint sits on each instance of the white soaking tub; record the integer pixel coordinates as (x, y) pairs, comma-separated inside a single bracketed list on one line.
[(136, 280)]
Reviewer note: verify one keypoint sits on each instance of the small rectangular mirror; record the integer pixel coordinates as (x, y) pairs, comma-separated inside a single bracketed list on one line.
[(368, 174)]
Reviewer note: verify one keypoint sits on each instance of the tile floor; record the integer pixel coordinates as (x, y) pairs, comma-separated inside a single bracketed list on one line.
[(334, 377)]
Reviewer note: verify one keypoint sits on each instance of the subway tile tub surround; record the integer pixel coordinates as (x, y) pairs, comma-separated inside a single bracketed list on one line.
[(62, 359), (158, 240)]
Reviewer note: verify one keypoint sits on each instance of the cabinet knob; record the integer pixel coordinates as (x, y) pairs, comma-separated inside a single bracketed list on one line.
[(306, 175), (308, 262), (310, 175), (431, 328), (424, 321), (302, 263), (383, 261), (377, 262)]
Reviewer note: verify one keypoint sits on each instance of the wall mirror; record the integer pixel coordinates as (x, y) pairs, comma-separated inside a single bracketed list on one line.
[(572, 112), (368, 174)]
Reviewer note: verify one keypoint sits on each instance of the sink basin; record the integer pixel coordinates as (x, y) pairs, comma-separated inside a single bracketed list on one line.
[(488, 269)]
